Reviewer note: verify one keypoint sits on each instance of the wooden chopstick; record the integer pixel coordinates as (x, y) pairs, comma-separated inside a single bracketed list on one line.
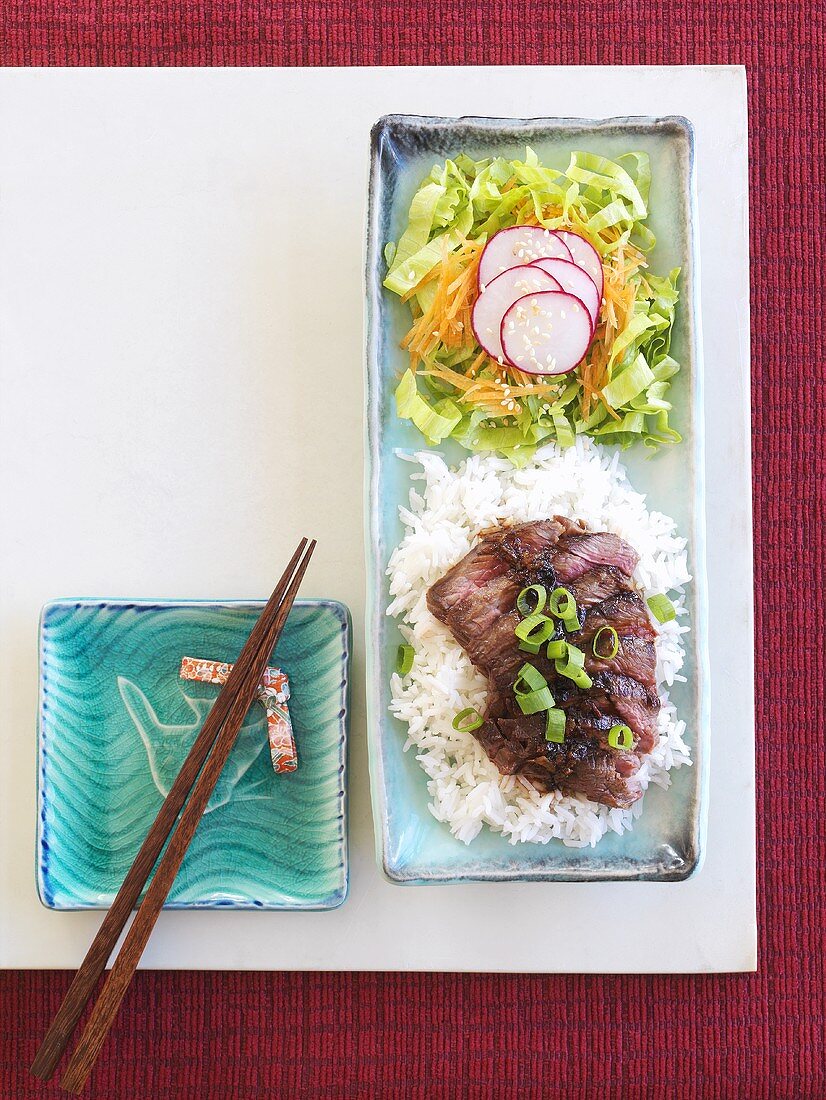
[(241, 685), (64, 1023), (119, 977), (70, 1011)]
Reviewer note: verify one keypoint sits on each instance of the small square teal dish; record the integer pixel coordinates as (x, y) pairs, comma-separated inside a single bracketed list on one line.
[(116, 722)]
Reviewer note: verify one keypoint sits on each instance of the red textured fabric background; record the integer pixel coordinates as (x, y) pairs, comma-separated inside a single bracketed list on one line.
[(321, 1035)]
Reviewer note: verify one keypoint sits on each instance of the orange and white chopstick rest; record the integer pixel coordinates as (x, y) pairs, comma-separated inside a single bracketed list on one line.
[(273, 692)]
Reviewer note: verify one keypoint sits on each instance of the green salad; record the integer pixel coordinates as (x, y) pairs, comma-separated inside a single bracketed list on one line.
[(469, 389)]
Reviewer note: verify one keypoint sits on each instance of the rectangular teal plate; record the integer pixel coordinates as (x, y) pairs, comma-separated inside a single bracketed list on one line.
[(667, 842), (116, 722)]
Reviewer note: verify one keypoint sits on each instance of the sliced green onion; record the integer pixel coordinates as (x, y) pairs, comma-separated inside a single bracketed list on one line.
[(530, 647), (523, 600), (535, 628), (529, 679), (613, 644), (572, 666), (555, 725), (535, 701), (532, 691), (620, 737), (468, 720), (563, 605), (557, 649), (404, 659), (573, 657), (662, 608)]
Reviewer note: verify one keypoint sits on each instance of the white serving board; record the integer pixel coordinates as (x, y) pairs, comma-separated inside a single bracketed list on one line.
[(181, 327)]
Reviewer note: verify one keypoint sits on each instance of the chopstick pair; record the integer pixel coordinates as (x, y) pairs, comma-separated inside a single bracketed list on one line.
[(207, 756)]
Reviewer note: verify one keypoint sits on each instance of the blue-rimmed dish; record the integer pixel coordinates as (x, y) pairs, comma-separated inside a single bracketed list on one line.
[(667, 842), (116, 722)]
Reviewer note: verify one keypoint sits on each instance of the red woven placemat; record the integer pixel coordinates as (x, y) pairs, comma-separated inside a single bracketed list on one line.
[(294, 1035)]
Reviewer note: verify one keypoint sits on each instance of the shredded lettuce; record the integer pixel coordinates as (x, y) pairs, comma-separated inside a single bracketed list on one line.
[(435, 420), (629, 383), (463, 202)]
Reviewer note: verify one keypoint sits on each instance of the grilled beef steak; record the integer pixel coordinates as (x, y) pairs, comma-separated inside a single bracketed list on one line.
[(476, 600)]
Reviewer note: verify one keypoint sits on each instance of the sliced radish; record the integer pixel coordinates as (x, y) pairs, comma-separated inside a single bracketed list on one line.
[(518, 245), (576, 281), (585, 256), (499, 295), (546, 333)]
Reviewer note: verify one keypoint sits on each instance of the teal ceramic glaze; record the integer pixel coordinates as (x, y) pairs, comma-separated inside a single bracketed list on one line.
[(116, 723), (667, 842)]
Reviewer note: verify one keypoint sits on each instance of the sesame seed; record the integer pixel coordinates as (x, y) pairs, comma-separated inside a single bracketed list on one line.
[(533, 301), (507, 390)]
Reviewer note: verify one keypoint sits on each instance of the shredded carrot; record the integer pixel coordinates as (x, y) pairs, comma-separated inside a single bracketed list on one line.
[(497, 388)]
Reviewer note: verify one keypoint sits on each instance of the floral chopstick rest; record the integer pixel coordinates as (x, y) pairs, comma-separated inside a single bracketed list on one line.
[(273, 693)]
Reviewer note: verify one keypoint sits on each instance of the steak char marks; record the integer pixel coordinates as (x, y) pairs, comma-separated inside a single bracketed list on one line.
[(476, 600)]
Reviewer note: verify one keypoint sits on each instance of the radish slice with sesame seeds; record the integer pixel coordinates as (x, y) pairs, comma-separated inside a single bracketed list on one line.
[(518, 245), (576, 281), (498, 296), (546, 333), (585, 256)]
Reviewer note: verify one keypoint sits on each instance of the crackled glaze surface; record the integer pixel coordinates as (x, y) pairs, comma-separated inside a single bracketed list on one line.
[(412, 847), (116, 722)]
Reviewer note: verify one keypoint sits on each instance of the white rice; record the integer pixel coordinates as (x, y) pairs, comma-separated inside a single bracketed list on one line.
[(447, 510)]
